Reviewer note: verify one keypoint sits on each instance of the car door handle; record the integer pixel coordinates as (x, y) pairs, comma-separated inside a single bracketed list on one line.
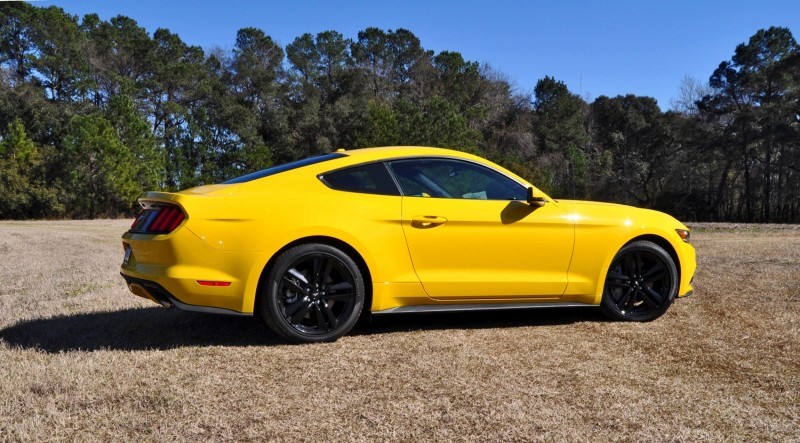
[(427, 221)]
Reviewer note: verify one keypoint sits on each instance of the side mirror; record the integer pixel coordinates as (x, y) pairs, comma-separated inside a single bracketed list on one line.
[(535, 200)]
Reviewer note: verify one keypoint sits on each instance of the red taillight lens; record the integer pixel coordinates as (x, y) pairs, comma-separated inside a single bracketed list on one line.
[(168, 218), (174, 220), (158, 220), (213, 283)]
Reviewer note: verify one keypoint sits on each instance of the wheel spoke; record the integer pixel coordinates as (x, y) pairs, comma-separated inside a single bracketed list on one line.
[(294, 284), (617, 275), (629, 265), (645, 297), (340, 291), (619, 284), (655, 278), (657, 272), (616, 296), (623, 300), (322, 325), (301, 312), (293, 307), (654, 298), (316, 269), (631, 300), (639, 263), (330, 317), (296, 274), (343, 296), (326, 271)]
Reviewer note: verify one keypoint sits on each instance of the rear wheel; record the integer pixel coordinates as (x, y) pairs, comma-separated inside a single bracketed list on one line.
[(315, 293), (641, 283)]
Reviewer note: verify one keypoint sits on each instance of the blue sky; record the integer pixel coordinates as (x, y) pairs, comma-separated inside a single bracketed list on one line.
[(595, 47)]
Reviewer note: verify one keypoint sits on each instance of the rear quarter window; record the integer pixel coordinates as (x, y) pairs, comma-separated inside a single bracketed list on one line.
[(371, 178)]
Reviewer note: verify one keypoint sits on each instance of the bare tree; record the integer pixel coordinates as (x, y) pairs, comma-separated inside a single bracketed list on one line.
[(690, 91)]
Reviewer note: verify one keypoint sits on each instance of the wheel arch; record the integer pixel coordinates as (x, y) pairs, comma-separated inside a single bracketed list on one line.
[(319, 239)]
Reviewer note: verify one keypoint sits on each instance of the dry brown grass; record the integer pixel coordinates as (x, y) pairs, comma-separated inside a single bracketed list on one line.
[(82, 359)]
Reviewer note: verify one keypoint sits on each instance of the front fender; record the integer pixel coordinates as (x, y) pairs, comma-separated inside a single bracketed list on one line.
[(601, 230)]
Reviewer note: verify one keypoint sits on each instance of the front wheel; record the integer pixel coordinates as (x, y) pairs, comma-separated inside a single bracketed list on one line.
[(315, 293), (641, 283)]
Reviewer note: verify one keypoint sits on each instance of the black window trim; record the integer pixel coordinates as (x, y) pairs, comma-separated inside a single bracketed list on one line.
[(443, 157)]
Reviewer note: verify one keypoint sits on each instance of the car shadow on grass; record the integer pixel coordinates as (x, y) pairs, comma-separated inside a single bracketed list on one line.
[(161, 329), (136, 329)]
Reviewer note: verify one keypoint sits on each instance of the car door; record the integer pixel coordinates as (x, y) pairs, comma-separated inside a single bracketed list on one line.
[(472, 235)]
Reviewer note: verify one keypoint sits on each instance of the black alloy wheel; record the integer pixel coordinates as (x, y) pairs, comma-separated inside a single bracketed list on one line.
[(315, 293), (641, 284)]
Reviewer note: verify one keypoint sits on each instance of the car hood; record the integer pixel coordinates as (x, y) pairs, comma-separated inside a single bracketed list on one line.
[(592, 212)]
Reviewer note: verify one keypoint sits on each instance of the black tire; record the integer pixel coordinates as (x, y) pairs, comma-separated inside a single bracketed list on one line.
[(641, 283), (314, 293)]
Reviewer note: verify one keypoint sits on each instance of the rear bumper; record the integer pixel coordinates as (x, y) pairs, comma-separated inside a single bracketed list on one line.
[(155, 292), (179, 261)]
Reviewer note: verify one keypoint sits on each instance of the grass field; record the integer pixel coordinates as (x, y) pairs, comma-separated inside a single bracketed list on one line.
[(83, 359)]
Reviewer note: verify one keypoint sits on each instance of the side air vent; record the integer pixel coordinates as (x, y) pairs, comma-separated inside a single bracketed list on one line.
[(158, 219)]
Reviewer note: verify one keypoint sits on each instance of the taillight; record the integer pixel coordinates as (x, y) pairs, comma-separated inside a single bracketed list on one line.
[(213, 283), (160, 219)]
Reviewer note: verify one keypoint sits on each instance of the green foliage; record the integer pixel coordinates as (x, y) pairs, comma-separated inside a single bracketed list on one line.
[(386, 60), (561, 126), (134, 133), (16, 45), (754, 109), (633, 136), (60, 58), (21, 177), (438, 123), (103, 170)]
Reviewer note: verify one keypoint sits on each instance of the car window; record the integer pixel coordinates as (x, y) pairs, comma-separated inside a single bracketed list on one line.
[(371, 178), (448, 178)]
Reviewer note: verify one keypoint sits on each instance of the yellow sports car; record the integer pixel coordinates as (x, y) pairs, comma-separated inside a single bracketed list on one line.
[(311, 245)]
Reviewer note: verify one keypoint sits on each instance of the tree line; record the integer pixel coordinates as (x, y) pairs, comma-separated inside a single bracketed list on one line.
[(94, 112)]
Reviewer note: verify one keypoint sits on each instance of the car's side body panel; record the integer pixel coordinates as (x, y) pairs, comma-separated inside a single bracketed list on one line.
[(488, 249)]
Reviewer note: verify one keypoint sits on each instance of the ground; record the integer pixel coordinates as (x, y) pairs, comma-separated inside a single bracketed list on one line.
[(83, 359)]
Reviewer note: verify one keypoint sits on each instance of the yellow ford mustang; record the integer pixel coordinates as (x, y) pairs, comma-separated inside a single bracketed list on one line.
[(309, 245)]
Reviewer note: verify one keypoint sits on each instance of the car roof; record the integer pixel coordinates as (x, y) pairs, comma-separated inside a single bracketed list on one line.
[(388, 152), (365, 155), (355, 157)]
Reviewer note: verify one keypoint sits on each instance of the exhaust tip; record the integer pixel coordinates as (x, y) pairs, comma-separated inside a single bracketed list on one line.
[(139, 290)]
